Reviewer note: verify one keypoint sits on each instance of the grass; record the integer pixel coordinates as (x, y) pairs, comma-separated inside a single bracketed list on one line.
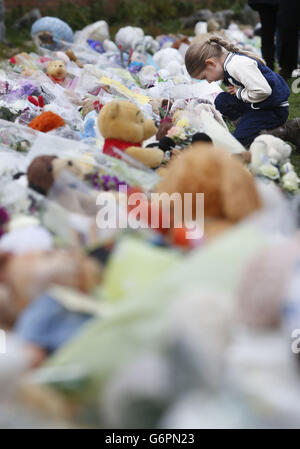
[(17, 42), (294, 101), (20, 41)]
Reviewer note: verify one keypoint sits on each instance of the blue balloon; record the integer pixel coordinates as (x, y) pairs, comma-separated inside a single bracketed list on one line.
[(58, 28)]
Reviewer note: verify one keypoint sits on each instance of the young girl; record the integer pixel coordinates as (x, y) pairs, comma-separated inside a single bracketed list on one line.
[(255, 94)]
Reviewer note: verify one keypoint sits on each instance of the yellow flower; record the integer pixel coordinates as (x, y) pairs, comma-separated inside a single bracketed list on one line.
[(183, 123)]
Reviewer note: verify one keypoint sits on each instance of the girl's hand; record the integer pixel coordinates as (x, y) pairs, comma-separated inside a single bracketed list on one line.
[(232, 90)]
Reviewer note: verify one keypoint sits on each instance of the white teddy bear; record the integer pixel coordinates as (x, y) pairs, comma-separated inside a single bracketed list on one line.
[(267, 148), (128, 37), (169, 59), (98, 31), (270, 158)]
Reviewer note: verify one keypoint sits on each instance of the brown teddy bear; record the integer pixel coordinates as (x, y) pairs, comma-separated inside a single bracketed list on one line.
[(229, 190), (57, 71), (123, 126), (44, 170), (178, 42), (73, 58)]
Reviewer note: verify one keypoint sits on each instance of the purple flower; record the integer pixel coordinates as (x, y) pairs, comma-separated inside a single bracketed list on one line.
[(4, 217), (105, 182)]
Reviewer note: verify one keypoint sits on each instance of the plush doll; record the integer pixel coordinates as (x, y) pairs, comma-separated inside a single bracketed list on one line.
[(183, 40), (26, 276), (168, 144), (43, 170), (127, 37), (123, 126), (45, 175), (57, 71), (46, 121), (229, 190), (73, 58), (270, 158), (275, 149), (169, 59), (164, 127), (98, 31), (23, 60)]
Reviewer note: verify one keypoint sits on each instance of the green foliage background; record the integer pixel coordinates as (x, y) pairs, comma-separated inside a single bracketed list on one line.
[(162, 15), (154, 16)]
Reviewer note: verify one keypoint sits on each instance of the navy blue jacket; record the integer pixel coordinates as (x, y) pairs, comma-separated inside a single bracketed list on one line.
[(280, 89)]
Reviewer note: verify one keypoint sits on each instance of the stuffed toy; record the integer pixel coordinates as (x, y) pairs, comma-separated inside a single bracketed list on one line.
[(168, 144), (57, 28), (161, 106), (229, 190), (43, 170), (73, 58), (167, 57), (46, 121), (40, 174), (123, 126), (270, 158), (22, 60), (164, 127), (26, 276), (212, 26), (183, 40), (270, 147), (57, 71), (90, 104), (127, 37), (98, 31)]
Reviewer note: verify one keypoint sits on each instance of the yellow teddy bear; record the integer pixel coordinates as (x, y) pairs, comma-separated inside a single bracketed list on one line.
[(124, 127), (57, 71)]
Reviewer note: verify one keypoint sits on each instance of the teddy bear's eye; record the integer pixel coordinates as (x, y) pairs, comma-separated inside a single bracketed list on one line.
[(70, 163), (49, 169)]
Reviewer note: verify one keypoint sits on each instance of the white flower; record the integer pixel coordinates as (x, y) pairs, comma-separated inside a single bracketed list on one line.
[(290, 181), (287, 167), (269, 171)]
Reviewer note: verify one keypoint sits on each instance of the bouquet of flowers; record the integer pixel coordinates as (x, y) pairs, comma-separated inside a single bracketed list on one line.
[(182, 133), (105, 182)]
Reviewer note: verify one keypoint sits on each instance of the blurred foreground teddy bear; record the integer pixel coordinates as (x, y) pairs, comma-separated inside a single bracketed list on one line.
[(23, 277), (229, 189), (124, 127)]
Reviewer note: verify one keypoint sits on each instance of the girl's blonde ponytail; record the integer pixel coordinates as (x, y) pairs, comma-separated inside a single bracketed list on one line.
[(229, 46), (212, 47)]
